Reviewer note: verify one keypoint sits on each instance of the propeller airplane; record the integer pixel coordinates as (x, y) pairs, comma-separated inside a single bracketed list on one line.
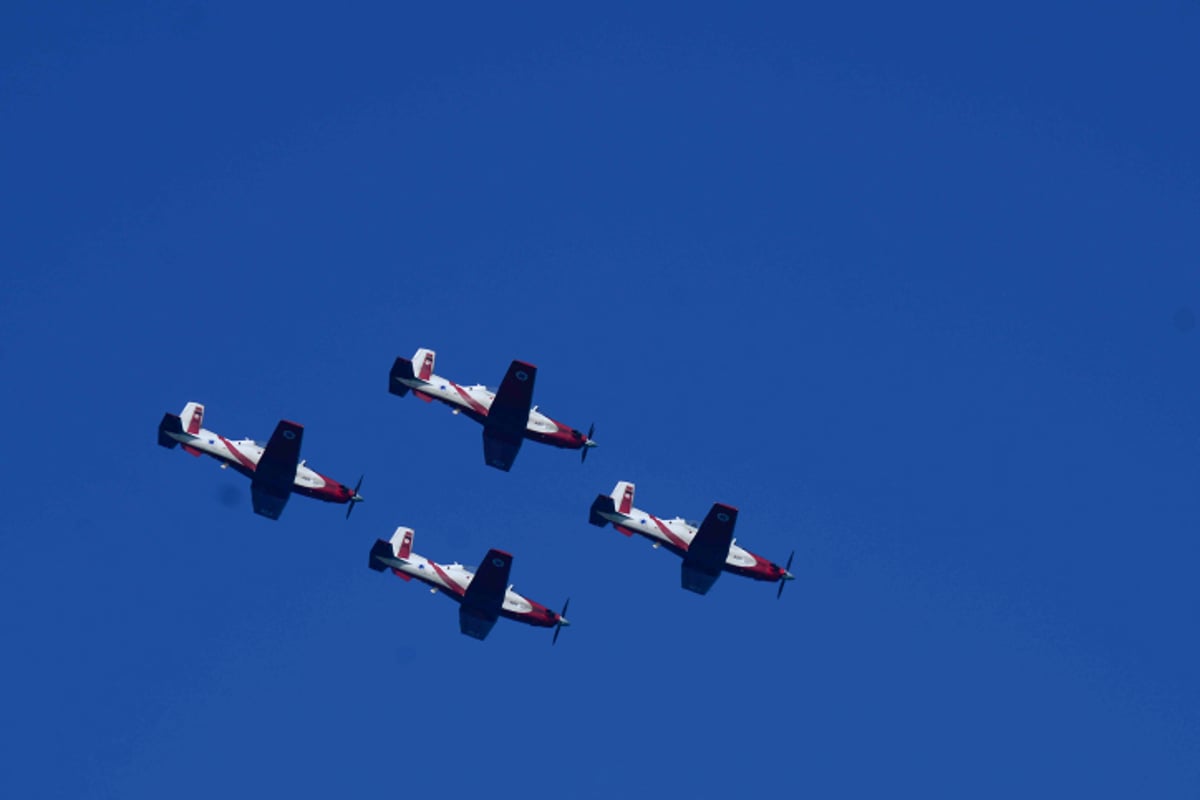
[(707, 549), (507, 414), (275, 469), (481, 593)]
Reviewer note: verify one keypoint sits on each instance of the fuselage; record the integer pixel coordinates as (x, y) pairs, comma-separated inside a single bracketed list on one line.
[(453, 580), (676, 535), (243, 455), (474, 402)]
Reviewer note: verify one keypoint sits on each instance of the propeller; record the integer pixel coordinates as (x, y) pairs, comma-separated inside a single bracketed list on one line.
[(787, 576), (562, 622), (588, 444), (356, 497)]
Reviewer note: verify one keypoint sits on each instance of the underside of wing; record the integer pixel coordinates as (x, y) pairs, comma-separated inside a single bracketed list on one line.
[(267, 502), (706, 555), (510, 408), (500, 449), (504, 426), (276, 471), (484, 596)]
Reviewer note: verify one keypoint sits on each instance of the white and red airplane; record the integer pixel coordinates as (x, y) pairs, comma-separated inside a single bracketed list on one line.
[(481, 593), (507, 414), (706, 549), (275, 469)]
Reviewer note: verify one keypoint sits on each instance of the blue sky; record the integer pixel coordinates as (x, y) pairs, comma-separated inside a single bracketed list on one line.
[(915, 288)]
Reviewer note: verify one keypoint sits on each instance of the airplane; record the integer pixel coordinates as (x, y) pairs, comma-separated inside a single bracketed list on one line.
[(706, 549), (275, 470), (507, 414), (481, 594)]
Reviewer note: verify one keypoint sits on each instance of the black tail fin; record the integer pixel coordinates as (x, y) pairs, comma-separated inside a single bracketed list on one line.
[(401, 369), (170, 424), (603, 502)]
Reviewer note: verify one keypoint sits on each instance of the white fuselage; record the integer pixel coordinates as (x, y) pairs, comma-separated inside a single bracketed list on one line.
[(452, 578), (676, 534), (243, 455), (475, 400)]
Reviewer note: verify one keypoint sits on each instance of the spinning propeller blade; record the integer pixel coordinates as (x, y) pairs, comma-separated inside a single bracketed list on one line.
[(787, 575), (356, 497), (588, 444), (562, 621)]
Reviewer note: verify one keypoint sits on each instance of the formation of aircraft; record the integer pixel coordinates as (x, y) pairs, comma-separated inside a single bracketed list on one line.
[(274, 469), (507, 414), (483, 593), (508, 417), (707, 548)]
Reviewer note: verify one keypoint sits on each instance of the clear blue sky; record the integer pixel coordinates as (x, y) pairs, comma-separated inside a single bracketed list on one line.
[(914, 287)]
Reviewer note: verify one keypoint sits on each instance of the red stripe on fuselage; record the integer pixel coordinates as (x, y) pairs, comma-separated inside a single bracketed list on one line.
[(675, 540), (471, 401), (243, 460), (451, 585)]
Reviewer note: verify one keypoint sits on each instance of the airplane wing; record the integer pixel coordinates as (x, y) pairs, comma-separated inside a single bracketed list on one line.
[(504, 427), (706, 554), (276, 471), (485, 595), (500, 450)]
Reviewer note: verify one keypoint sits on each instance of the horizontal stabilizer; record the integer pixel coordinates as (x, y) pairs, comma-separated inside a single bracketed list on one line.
[(170, 424), (602, 503), (380, 550), (402, 368)]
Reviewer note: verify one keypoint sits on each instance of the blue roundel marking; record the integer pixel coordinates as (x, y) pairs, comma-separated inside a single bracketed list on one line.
[(522, 375), (497, 562), (289, 434), (723, 516)]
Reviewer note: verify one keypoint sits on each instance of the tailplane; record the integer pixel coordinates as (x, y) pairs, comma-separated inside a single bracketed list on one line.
[(601, 505), (420, 368), (187, 426), (399, 548), (170, 424)]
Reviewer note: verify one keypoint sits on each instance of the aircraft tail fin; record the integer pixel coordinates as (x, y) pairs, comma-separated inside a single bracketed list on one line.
[(400, 547), (192, 417), (622, 496), (401, 543), (423, 363)]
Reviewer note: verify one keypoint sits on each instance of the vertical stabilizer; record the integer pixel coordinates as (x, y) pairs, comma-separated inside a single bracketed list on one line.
[(623, 497), (402, 541), (422, 363), (192, 418)]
